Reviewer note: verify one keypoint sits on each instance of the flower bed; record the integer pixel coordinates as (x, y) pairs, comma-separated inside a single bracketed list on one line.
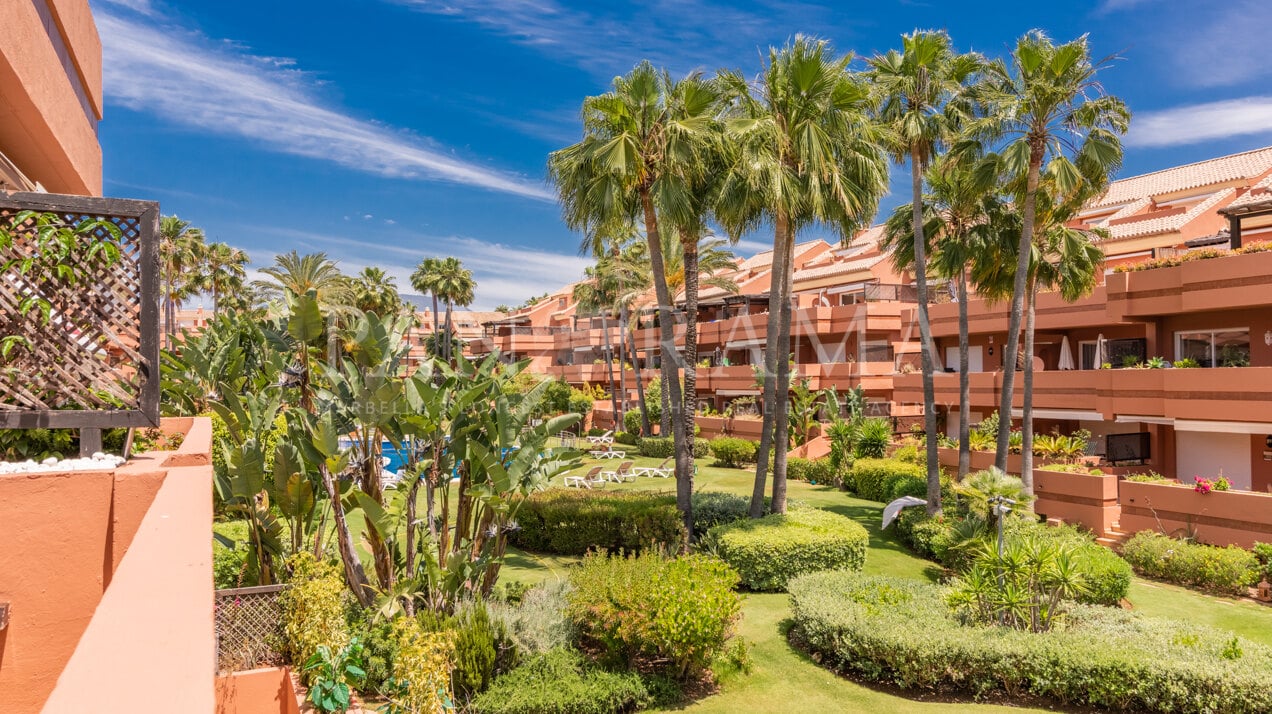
[(1218, 517)]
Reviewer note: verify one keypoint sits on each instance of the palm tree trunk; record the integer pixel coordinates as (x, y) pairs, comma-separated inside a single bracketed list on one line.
[(436, 327), (782, 391), (1026, 414), (666, 324), (622, 376), (640, 383), (772, 327), (609, 370), (684, 450), (450, 349), (925, 336), (1027, 217), (964, 382)]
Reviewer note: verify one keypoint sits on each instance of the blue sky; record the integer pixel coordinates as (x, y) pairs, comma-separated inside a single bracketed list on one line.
[(381, 131)]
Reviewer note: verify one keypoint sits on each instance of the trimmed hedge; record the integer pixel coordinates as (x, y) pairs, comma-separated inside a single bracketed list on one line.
[(562, 682), (731, 452), (1227, 570), (814, 470), (717, 508), (658, 447), (574, 521), (900, 632), (886, 479), (767, 552)]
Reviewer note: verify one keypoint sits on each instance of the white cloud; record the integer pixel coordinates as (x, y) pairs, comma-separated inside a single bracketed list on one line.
[(186, 79), (1206, 44), (143, 7), (1197, 123), (504, 273), (1115, 5)]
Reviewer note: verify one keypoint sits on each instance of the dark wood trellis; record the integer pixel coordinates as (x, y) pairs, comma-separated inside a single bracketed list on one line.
[(91, 360)]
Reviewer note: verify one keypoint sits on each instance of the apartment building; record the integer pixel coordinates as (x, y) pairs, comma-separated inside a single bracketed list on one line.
[(50, 97)]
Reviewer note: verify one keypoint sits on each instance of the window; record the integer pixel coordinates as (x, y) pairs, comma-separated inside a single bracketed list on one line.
[(1215, 348), (1087, 350), (876, 351)]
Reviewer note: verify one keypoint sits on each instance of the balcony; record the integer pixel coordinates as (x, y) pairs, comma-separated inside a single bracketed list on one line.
[(1237, 281), (1053, 313), (581, 373)]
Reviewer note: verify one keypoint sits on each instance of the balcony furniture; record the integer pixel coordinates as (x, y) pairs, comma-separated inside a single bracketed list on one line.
[(620, 474), (589, 480), (607, 454), (606, 438), (661, 470)]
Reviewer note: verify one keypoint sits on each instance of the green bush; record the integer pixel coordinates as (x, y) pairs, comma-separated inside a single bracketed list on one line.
[(701, 448), (574, 521), (812, 470), (873, 438), (561, 682), (482, 649), (1263, 551), (797, 469), (885, 479), (1227, 570), (767, 552), (580, 402), (731, 452), (716, 508), (230, 567), (631, 421), (910, 454), (627, 438), (313, 608), (379, 648), (539, 622), (899, 632), (668, 614), (657, 447)]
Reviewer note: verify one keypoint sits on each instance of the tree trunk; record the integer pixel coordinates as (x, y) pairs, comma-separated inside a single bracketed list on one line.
[(964, 382), (645, 429), (436, 328), (772, 327), (450, 337), (1012, 348), (609, 370), (782, 391), (667, 342), (925, 336), (1026, 415), (684, 450), (622, 376), (354, 573)]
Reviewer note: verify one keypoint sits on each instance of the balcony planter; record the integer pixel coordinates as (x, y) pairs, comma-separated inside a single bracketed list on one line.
[(746, 428), (710, 426), (1078, 498), (1219, 517)]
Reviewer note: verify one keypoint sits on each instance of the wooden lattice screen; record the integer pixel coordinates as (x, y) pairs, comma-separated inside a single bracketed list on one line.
[(249, 628), (87, 356)]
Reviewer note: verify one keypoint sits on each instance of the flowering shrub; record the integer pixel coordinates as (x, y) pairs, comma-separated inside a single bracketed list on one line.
[(1203, 485)]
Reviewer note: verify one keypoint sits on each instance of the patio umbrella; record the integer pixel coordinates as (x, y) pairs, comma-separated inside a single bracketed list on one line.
[(1099, 350), (1066, 354)]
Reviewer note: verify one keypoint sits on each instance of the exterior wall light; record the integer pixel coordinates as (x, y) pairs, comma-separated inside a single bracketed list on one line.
[(1267, 338)]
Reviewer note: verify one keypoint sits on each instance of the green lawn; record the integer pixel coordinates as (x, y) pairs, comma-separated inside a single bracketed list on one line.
[(784, 677)]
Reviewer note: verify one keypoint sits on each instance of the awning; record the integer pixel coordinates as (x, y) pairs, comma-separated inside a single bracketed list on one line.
[(738, 392), (743, 344), (1223, 427), (1063, 414)]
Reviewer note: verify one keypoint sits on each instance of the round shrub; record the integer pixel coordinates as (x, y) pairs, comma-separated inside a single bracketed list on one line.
[(715, 508), (657, 447), (574, 521), (901, 632), (701, 448), (561, 682), (731, 452), (1227, 570), (886, 479), (767, 552), (627, 438), (669, 614), (797, 469), (631, 421)]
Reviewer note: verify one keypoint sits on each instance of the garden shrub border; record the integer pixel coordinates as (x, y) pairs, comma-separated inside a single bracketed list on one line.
[(768, 552)]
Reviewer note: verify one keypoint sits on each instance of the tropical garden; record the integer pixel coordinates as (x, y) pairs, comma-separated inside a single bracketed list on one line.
[(470, 578)]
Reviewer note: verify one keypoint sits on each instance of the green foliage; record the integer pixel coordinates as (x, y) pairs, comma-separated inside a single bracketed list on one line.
[(669, 614), (873, 438), (657, 447), (1150, 477), (769, 551), (1024, 587), (332, 674), (580, 402), (379, 649), (989, 425), (626, 438), (715, 508), (886, 479), (731, 452), (813, 470), (313, 608), (574, 521), (561, 681), (910, 454), (230, 566), (36, 444), (482, 649), (421, 670), (539, 622), (1187, 363), (1228, 571), (1263, 551), (900, 632), (631, 421)]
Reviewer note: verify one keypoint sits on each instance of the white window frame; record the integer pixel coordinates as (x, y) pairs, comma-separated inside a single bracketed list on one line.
[(1094, 344), (1212, 331)]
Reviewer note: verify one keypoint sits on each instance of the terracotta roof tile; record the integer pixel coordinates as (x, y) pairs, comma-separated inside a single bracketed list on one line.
[(1254, 195), (1165, 224), (837, 268), (1203, 173)]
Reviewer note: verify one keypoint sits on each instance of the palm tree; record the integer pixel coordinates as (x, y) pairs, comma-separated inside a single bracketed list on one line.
[(639, 140), (454, 285), (374, 291), (805, 152), (596, 294), (1049, 104), (180, 248), (921, 90), (295, 274), (224, 269), (422, 280), (962, 209)]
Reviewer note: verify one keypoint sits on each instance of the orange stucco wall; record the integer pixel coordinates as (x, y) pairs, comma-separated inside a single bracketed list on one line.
[(267, 690), (109, 580), (43, 126)]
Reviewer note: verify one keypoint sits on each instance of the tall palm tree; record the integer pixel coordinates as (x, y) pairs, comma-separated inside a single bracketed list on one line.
[(1050, 106), (375, 291), (224, 269), (295, 274), (422, 280), (180, 248), (454, 285), (921, 90), (962, 211), (638, 140), (597, 294), (806, 152)]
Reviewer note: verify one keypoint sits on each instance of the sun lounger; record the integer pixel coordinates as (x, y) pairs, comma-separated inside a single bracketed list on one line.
[(589, 480), (661, 470), (620, 474)]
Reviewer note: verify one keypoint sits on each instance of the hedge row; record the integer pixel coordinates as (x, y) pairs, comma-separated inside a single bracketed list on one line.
[(884, 480), (562, 682), (574, 521), (900, 632), (769, 551), (663, 447), (813, 470), (1227, 570)]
